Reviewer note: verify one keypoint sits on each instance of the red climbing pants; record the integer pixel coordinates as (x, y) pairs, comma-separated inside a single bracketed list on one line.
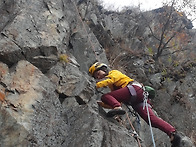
[(123, 95)]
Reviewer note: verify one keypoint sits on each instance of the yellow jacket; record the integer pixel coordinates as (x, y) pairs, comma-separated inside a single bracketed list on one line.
[(114, 80)]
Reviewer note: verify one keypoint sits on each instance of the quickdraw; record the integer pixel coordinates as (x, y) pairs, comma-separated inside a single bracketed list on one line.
[(134, 133)]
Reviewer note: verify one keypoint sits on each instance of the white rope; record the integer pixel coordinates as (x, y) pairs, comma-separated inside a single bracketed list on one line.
[(145, 93)]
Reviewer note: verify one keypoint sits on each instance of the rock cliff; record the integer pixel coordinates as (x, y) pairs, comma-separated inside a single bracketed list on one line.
[(48, 98)]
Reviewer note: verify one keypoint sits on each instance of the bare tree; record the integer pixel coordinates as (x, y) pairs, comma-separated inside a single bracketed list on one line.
[(171, 24)]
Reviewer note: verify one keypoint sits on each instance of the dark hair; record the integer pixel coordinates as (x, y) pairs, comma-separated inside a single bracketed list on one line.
[(105, 69)]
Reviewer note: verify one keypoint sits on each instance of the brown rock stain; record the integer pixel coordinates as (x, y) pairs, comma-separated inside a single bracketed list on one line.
[(2, 97)]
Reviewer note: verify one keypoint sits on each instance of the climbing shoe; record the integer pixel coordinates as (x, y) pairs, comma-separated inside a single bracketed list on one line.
[(114, 112), (176, 140)]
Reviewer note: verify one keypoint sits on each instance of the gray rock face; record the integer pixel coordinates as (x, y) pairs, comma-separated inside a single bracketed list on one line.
[(47, 97), (31, 111)]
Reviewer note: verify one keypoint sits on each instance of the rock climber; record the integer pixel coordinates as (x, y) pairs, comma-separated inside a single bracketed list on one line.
[(128, 91)]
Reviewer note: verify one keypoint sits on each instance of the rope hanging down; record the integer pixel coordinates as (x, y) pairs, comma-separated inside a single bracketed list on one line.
[(145, 104), (134, 114), (119, 119), (84, 28), (134, 133), (93, 48)]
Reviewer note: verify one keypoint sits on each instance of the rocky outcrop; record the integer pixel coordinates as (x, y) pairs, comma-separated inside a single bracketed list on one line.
[(47, 97), (30, 111)]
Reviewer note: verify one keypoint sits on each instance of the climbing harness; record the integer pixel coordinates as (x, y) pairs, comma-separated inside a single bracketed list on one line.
[(135, 135), (145, 104)]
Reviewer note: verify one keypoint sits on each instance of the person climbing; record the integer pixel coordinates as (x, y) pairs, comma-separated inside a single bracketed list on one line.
[(128, 91)]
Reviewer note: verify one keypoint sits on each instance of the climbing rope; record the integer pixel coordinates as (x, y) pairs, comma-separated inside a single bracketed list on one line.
[(121, 122), (145, 104), (135, 114), (134, 133), (145, 94), (84, 28)]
